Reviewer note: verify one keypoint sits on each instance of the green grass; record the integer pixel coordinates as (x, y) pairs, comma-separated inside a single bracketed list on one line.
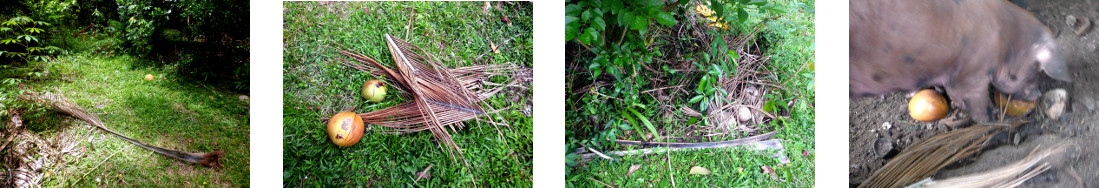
[(790, 40), (169, 112), (316, 86)]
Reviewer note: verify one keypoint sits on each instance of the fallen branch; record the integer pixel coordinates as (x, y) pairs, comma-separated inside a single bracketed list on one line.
[(423, 174), (729, 143), (601, 182), (59, 103), (766, 145), (600, 154)]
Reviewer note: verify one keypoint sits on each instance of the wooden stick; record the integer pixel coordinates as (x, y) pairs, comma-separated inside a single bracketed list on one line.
[(82, 30), (601, 182)]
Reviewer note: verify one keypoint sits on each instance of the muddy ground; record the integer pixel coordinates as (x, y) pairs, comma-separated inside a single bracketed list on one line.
[(1075, 167)]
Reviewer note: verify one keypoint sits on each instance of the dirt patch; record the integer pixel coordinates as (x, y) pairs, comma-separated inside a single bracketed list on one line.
[(872, 143)]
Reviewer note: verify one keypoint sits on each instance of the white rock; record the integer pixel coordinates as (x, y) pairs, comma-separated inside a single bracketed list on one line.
[(886, 126), (744, 114), (1054, 103)]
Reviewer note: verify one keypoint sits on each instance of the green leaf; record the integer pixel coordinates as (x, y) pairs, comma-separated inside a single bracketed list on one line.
[(599, 23), (718, 69), (649, 2), (20, 20), (703, 84), (28, 38), (614, 5), (592, 34), (769, 107), (718, 47), (718, 8), (586, 15), (645, 120), (571, 27), (705, 103), (640, 23), (633, 122), (570, 159), (696, 99), (571, 20), (33, 30), (665, 18), (742, 15), (625, 19), (600, 60), (573, 10)]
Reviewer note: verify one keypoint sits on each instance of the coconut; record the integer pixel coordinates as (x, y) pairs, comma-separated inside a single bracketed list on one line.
[(374, 90), (1015, 107), (927, 105), (345, 129)]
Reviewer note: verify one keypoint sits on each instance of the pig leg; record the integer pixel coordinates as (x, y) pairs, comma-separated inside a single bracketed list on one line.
[(972, 97)]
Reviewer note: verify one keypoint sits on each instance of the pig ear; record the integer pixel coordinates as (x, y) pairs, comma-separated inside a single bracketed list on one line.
[(1052, 65)]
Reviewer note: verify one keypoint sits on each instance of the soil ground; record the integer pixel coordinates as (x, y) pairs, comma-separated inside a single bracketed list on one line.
[(1074, 167)]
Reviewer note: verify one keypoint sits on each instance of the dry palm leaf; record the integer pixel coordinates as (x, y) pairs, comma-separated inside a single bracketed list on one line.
[(1008, 176), (924, 159), (441, 98), (59, 103), (33, 156)]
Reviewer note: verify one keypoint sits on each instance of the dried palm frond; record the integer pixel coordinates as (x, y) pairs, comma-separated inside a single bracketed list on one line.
[(924, 159), (23, 164), (442, 98), (1008, 176), (60, 103), (745, 89)]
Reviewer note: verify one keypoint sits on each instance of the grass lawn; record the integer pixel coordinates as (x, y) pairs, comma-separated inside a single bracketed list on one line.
[(170, 112), (672, 70), (458, 34)]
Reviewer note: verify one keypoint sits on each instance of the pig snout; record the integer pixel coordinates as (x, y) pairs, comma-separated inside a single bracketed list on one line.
[(1031, 94)]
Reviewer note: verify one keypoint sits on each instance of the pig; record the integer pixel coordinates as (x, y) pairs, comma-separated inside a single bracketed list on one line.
[(964, 46)]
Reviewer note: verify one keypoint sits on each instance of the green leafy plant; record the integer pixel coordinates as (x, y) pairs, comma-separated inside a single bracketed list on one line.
[(738, 11), (613, 32), (589, 20), (138, 21), (24, 31), (21, 36)]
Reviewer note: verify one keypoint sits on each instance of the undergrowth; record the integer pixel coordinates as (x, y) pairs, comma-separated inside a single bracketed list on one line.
[(636, 69)]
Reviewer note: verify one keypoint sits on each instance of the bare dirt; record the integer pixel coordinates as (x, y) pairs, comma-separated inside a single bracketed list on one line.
[(872, 143)]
